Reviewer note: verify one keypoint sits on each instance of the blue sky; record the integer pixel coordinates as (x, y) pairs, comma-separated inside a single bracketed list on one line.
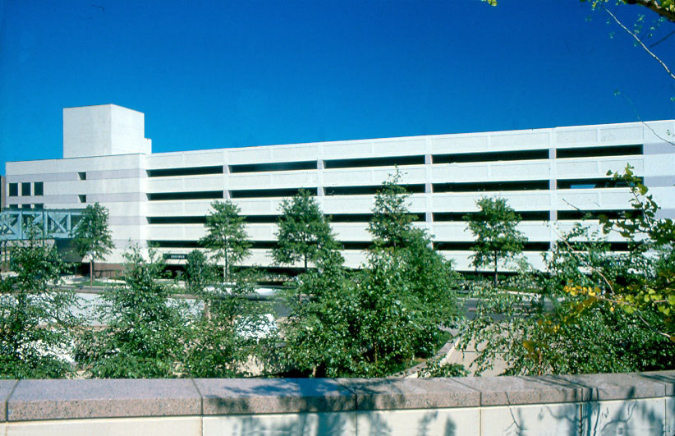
[(232, 73)]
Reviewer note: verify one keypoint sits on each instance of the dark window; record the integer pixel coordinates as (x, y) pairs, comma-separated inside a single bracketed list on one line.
[(174, 244), (38, 206), (367, 190), (266, 193), (25, 206), (194, 171), (38, 188), (25, 189), (617, 150), (176, 219), (591, 183), (196, 195), (490, 157), (260, 219), (13, 189), (491, 186), (468, 246), (351, 218), (374, 162), (459, 216), (596, 214), (263, 245), (82, 176), (83, 198), (280, 166)]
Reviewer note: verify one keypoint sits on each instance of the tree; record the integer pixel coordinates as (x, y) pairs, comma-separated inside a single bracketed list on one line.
[(36, 322), (497, 238), (233, 330), (92, 236), (391, 224), (664, 8), (226, 235), (303, 231), (595, 309), (199, 273), (375, 321), (143, 333)]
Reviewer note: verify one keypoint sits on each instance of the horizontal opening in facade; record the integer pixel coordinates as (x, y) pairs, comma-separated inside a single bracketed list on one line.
[(366, 217), (368, 190), (192, 171), (266, 193), (459, 216), (279, 166), (617, 150), (596, 214), (176, 220), (468, 246), (526, 185), (196, 195), (490, 156), (374, 162), (261, 219), (613, 246), (173, 244), (599, 183)]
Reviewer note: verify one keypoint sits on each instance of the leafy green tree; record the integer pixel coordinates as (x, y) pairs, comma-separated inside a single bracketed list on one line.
[(92, 236), (375, 321), (497, 238), (36, 322), (595, 310), (391, 224), (303, 231), (236, 328), (143, 331), (199, 273), (226, 235)]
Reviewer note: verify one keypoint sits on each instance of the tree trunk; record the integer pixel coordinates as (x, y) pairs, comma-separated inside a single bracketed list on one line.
[(91, 274), (496, 263)]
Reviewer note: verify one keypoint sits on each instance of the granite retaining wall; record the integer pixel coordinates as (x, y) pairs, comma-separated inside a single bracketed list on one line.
[(599, 404)]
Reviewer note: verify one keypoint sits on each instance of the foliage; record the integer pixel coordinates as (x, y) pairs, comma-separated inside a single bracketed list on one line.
[(375, 321), (392, 222), (497, 238), (36, 322), (303, 231), (199, 273), (226, 235), (435, 368), (233, 328), (92, 235), (598, 310), (143, 331), (664, 8)]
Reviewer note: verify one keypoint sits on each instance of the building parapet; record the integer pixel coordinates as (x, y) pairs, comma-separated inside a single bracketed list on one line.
[(641, 403)]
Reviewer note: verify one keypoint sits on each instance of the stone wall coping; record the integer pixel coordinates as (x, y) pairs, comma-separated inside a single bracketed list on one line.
[(38, 400)]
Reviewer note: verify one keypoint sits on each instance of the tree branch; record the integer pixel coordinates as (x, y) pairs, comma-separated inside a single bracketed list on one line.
[(644, 2)]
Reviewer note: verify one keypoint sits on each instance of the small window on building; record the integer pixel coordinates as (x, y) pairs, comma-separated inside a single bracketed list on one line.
[(25, 189), (25, 206), (38, 189), (83, 198), (13, 189), (83, 176), (38, 206)]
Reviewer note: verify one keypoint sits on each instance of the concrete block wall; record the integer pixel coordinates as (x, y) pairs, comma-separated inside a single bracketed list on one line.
[(599, 404)]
